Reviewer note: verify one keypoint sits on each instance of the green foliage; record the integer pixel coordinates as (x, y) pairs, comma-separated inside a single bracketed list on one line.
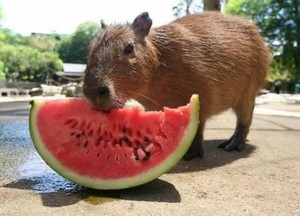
[(74, 48), (3, 70), (6, 36), (185, 7), (30, 58), (44, 43), (25, 63), (37, 57), (279, 22), (64, 49), (246, 8)]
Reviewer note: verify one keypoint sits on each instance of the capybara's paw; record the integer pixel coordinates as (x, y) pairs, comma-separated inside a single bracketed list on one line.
[(233, 144)]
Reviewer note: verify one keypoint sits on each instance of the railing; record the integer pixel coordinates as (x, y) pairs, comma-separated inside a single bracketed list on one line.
[(11, 89)]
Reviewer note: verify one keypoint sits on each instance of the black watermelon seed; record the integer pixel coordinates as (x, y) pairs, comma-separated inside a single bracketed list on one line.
[(74, 123), (148, 155), (125, 138), (146, 140)]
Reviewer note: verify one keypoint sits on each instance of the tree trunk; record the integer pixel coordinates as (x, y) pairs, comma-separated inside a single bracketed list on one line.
[(296, 52), (212, 5)]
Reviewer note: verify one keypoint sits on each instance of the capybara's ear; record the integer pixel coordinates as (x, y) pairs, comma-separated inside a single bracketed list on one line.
[(141, 25), (103, 24)]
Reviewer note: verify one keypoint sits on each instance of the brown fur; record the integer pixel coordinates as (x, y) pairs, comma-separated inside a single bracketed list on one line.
[(221, 58)]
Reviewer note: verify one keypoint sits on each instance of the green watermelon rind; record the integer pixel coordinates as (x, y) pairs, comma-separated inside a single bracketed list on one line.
[(109, 184)]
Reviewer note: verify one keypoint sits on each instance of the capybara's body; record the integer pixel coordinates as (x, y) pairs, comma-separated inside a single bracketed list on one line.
[(221, 58)]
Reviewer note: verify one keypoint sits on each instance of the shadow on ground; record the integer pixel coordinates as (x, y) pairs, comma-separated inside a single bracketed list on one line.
[(213, 157), (56, 191), (69, 193)]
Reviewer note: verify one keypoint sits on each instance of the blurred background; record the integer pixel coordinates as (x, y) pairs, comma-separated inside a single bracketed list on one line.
[(43, 44)]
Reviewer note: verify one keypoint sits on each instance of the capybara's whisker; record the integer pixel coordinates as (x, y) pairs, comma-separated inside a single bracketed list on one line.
[(149, 99)]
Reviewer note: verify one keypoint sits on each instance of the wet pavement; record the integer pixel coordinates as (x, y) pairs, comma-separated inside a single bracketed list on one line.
[(264, 179), (18, 157)]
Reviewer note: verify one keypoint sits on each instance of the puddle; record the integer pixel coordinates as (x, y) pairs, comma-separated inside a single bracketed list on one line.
[(52, 183), (15, 146), (34, 166), (99, 200), (98, 197), (46, 180), (20, 162)]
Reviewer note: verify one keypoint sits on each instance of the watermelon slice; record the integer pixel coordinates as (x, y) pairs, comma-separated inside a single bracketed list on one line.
[(120, 149)]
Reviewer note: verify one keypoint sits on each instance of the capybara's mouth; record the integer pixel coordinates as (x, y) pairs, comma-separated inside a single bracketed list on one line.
[(99, 105), (106, 106)]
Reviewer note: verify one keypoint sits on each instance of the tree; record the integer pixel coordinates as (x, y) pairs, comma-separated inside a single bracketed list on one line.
[(27, 58), (25, 63), (279, 23), (43, 42), (64, 49), (74, 48), (3, 70), (186, 7), (212, 5), (32, 58)]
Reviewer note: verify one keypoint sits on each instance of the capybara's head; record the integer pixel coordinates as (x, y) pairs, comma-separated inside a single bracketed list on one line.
[(120, 64)]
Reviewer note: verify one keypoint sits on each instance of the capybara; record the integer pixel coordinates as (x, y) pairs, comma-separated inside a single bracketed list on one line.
[(220, 57)]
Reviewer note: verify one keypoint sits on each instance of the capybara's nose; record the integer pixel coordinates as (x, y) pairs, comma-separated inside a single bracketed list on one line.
[(98, 96), (96, 93), (103, 92)]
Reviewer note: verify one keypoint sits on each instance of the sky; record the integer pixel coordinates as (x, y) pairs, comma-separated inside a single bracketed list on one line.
[(63, 16)]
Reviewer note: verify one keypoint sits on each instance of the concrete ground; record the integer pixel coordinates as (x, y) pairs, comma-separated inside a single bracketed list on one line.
[(264, 179)]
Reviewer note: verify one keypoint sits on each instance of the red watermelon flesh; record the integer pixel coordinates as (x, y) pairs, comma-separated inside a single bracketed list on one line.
[(120, 149)]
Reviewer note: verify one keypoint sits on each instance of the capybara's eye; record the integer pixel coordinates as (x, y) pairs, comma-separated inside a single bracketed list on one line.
[(128, 49)]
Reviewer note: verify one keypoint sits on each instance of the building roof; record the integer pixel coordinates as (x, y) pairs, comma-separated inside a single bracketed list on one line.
[(76, 68), (71, 69)]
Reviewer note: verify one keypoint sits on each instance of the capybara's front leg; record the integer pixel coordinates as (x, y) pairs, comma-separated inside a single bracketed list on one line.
[(196, 149)]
